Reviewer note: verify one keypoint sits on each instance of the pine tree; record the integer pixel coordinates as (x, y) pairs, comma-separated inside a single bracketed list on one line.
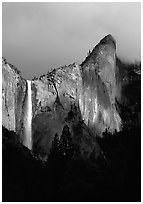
[(54, 152), (66, 146), (63, 149)]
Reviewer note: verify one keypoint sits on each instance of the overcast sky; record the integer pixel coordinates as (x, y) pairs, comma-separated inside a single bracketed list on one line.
[(39, 36)]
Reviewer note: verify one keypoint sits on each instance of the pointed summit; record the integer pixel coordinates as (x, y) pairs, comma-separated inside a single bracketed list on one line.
[(104, 50), (108, 39)]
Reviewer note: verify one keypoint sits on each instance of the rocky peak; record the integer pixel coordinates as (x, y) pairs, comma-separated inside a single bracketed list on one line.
[(99, 87), (86, 94), (101, 53)]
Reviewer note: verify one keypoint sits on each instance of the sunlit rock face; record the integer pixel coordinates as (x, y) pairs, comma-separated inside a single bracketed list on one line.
[(97, 100), (13, 98)]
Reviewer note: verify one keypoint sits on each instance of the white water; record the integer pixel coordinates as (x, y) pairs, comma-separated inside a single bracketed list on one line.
[(28, 118)]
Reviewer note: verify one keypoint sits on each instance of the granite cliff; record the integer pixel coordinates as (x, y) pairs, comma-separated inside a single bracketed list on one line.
[(13, 98), (88, 98)]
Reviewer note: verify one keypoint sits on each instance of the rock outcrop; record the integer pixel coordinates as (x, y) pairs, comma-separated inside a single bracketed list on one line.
[(99, 88), (13, 98), (87, 98)]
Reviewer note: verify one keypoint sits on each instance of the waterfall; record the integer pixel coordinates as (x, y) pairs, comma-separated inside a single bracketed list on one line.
[(28, 118)]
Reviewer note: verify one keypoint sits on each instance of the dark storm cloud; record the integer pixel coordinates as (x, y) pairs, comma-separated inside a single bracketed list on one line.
[(40, 36)]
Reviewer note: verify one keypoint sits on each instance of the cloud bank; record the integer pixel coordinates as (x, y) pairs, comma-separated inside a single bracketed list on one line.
[(39, 36)]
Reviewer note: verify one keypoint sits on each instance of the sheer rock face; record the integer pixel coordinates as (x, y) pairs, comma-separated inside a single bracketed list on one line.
[(84, 97), (60, 86), (97, 100), (13, 96)]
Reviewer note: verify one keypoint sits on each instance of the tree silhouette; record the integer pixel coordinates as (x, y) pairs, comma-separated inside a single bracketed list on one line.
[(66, 146), (54, 151), (62, 149)]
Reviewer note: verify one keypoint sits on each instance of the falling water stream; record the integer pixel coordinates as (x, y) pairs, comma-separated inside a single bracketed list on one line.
[(28, 118)]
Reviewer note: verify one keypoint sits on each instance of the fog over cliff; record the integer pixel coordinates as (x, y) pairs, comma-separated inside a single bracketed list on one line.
[(39, 36)]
